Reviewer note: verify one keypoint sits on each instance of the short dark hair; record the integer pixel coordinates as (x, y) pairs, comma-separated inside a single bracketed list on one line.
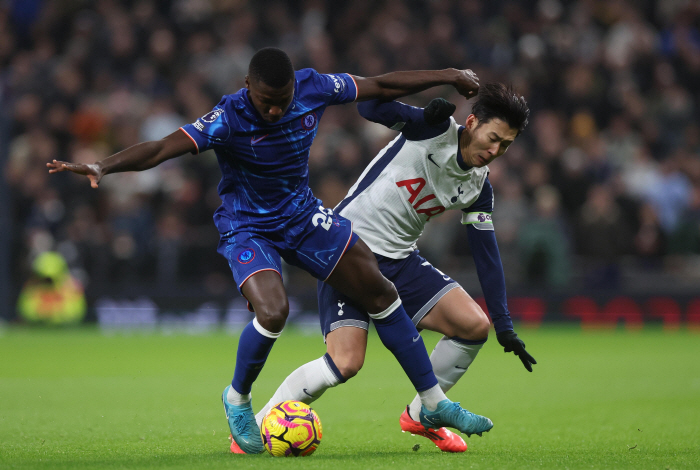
[(271, 66), (496, 100)]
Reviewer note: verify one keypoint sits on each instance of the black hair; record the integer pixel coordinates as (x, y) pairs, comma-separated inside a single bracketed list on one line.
[(271, 66), (496, 100)]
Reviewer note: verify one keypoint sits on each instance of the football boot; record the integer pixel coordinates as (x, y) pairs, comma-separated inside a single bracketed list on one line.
[(244, 430), (449, 413), (443, 438)]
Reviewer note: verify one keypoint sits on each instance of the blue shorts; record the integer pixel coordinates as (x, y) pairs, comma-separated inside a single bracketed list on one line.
[(420, 286), (315, 244)]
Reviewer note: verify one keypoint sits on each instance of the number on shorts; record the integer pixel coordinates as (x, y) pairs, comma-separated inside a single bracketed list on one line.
[(324, 217)]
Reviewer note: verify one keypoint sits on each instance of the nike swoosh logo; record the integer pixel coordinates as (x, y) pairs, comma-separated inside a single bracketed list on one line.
[(429, 420), (416, 338), (308, 393), (254, 140), (463, 368), (433, 161)]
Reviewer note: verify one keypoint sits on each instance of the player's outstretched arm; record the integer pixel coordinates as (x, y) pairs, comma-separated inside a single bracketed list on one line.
[(389, 113), (394, 85), (138, 157), (493, 283)]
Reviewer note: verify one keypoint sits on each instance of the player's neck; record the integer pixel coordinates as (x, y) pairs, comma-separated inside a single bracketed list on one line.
[(465, 139)]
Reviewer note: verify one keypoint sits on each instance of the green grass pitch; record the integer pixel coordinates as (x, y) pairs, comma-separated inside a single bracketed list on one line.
[(78, 399)]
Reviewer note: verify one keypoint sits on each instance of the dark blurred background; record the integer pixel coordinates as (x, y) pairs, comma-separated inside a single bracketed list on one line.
[(597, 201)]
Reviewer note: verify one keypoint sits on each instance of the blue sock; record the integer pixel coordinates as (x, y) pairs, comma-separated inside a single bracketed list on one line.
[(400, 336), (253, 349)]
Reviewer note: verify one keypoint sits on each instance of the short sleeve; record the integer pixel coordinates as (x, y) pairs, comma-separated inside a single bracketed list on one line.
[(337, 88), (210, 130), (479, 214)]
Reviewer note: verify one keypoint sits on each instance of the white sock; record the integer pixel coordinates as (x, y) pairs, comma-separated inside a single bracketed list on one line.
[(450, 360), (431, 397), (235, 398), (306, 384)]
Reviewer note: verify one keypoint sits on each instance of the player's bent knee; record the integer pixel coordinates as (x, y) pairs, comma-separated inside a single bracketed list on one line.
[(481, 329), (381, 297), (477, 327), (272, 315), (349, 366)]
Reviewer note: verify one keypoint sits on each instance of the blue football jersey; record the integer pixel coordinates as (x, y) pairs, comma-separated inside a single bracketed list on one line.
[(264, 166)]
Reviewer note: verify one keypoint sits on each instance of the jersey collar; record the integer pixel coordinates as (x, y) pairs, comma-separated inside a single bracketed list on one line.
[(460, 161)]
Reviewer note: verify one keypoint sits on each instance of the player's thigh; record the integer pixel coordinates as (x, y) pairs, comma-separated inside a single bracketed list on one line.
[(457, 314), (329, 250), (317, 241), (419, 284), (265, 292), (357, 275), (256, 267), (344, 325), (347, 346)]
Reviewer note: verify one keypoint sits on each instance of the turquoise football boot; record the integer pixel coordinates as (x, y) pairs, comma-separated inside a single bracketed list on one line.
[(450, 414), (244, 429)]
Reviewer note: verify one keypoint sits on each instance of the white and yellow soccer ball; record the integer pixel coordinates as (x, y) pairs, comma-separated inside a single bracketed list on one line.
[(291, 429)]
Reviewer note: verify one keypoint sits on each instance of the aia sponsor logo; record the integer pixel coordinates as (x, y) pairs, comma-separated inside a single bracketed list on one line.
[(246, 256), (308, 122), (414, 187)]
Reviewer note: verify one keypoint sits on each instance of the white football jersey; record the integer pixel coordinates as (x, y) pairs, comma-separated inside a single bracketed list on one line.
[(408, 184)]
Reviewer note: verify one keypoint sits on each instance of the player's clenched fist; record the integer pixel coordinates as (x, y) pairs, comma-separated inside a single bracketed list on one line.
[(467, 83), (92, 171)]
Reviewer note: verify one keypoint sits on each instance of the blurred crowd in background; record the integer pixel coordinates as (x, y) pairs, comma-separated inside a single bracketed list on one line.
[(601, 191)]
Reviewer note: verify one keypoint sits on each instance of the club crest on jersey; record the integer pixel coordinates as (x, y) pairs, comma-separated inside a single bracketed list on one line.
[(459, 191), (246, 256), (211, 116), (308, 122)]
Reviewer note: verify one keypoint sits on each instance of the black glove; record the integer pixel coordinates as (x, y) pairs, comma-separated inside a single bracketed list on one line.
[(510, 342), (438, 110)]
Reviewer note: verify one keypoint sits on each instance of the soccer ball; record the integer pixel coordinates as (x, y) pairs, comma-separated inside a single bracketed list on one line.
[(291, 429)]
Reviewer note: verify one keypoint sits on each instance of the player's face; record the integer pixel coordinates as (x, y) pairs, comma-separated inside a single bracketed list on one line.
[(270, 102), (487, 141)]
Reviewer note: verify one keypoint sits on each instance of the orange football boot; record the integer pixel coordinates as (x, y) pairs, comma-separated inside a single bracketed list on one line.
[(234, 447), (443, 438)]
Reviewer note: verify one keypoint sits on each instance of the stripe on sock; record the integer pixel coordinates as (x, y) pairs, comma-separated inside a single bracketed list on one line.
[(388, 311), (263, 331), (333, 368), (457, 339)]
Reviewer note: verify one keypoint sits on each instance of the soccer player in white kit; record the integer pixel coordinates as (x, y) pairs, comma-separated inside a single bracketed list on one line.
[(433, 165)]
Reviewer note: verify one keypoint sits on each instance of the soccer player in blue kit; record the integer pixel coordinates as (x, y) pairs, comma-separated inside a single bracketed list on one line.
[(262, 135), (433, 165)]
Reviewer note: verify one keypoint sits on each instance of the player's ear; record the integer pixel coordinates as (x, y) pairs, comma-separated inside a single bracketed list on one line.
[(471, 122), (247, 82)]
